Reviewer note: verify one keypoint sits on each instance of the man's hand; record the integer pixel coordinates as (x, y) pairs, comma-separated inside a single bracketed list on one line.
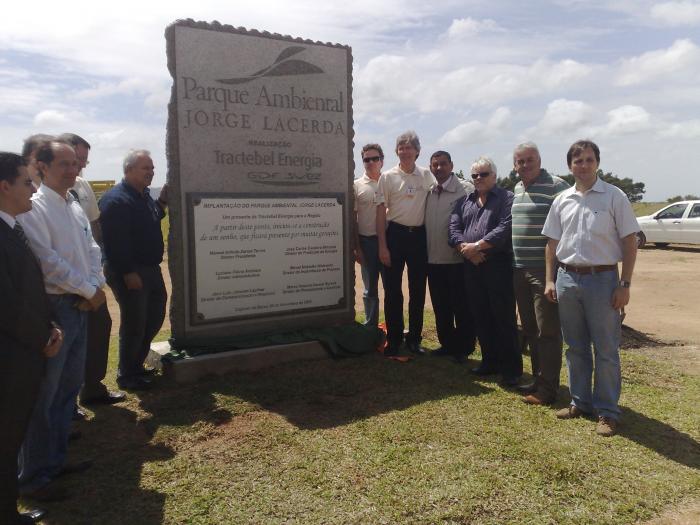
[(359, 256), (476, 258), (133, 281), (97, 300), (163, 197), (385, 256), (550, 291), (54, 344), (620, 298)]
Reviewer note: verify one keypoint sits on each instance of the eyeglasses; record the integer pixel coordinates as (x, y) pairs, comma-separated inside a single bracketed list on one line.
[(481, 175), (367, 160)]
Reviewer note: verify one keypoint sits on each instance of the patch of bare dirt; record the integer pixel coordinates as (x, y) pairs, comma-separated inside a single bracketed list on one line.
[(687, 514)]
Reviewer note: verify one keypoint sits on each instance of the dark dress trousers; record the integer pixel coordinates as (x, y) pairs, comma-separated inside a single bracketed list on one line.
[(25, 327), (133, 243), (490, 284)]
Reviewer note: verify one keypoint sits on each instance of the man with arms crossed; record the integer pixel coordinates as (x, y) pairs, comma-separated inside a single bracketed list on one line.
[(533, 196), (59, 234), (403, 191), (366, 244), (134, 248), (27, 333), (453, 320), (591, 227)]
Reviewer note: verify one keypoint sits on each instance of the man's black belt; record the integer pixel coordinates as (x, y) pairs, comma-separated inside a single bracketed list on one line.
[(587, 270), (409, 229)]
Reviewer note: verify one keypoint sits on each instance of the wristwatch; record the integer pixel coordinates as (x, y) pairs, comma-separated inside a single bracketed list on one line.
[(625, 284), (478, 245)]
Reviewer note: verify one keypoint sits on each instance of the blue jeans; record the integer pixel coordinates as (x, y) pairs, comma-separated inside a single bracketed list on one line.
[(371, 270), (587, 316), (44, 450)]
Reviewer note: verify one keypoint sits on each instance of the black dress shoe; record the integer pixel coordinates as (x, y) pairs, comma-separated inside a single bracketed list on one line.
[(510, 382), (527, 388), (135, 383), (391, 351), (414, 348), (108, 398), (74, 468), (484, 371), (31, 516)]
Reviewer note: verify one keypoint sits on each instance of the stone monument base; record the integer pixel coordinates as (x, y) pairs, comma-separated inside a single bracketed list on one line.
[(220, 363)]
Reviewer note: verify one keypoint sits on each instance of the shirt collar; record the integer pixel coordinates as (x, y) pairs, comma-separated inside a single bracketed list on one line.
[(599, 186), (9, 219), (448, 185), (134, 191), (53, 195), (366, 178)]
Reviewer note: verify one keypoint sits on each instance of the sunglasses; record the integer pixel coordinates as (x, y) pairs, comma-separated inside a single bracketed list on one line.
[(371, 159), (481, 175)]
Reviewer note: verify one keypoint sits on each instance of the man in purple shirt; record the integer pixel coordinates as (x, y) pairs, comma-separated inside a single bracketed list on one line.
[(480, 228)]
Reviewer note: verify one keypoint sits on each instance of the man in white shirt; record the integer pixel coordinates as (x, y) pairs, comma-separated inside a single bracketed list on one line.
[(366, 244), (59, 234), (402, 193), (99, 321), (591, 228)]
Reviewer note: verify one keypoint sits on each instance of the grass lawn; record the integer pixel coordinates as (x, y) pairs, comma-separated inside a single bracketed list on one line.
[(368, 440)]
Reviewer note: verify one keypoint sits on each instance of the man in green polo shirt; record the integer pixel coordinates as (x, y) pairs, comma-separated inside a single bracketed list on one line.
[(539, 317)]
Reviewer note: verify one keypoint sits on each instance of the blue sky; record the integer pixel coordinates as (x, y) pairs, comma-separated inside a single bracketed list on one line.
[(472, 77)]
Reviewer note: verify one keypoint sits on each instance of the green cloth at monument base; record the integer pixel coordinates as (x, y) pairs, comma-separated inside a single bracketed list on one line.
[(340, 341)]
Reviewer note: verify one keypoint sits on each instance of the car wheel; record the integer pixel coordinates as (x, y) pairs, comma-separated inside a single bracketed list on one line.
[(661, 244), (641, 239)]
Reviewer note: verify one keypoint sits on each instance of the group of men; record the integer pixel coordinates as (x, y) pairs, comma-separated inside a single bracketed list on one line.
[(550, 249), (54, 336)]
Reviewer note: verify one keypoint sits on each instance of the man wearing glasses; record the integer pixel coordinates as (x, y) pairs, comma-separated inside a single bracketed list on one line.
[(366, 244), (480, 228), (402, 193)]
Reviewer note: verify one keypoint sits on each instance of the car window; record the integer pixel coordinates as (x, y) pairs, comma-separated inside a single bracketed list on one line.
[(695, 212), (672, 212)]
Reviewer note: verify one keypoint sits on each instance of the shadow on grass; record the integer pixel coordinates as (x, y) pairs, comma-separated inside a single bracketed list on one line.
[(660, 437), (329, 393), (121, 445)]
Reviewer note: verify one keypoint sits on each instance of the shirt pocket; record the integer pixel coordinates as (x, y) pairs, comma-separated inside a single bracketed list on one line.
[(599, 222)]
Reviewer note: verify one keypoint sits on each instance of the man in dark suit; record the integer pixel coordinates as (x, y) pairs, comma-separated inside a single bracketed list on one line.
[(27, 334)]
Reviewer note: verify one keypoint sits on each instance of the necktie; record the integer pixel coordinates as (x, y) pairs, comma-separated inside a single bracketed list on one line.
[(438, 189), (20, 233)]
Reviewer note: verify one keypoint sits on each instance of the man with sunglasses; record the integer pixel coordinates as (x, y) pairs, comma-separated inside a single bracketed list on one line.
[(402, 193), (366, 244), (480, 228), (453, 321)]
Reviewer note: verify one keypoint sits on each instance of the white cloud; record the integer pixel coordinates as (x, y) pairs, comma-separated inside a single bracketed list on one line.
[(677, 13), (626, 120), (464, 27), (564, 116), (476, 131), (689, 129), (682, 57)]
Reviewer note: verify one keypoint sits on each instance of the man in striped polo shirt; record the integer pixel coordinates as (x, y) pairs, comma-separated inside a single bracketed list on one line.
[(539, 317)]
